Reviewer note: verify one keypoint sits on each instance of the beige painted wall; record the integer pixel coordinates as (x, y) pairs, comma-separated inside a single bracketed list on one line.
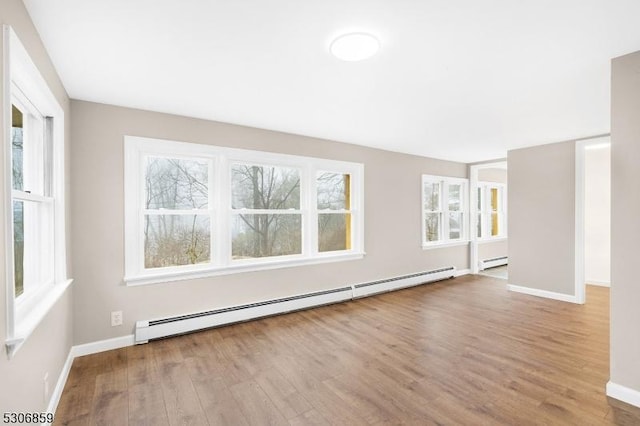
[(492, 249), (21, 378), (597, 216), (492, 175), (541, 193), (392, 220), (625, 228)]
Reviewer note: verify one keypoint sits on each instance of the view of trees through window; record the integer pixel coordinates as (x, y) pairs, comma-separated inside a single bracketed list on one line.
[(432, 211), (334, 217), (17, 149), (177, 221), (266, 204)]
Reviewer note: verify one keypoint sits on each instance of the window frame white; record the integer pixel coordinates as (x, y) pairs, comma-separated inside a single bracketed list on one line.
[(23, 84), (444, 239), (138, 148), (485, 211)]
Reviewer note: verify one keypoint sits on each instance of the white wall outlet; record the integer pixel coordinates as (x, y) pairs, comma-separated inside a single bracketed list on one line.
[(46, 387), (116, 318)]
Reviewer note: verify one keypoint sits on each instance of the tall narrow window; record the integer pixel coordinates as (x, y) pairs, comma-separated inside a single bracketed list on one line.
[(267, 220), (34, 188), (491, 210), (334, 211), (31, 200), (444, 210)]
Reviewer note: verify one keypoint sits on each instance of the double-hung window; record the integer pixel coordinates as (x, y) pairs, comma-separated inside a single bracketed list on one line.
[(195, 210), (444, 210), (492, 210), (34, 201)]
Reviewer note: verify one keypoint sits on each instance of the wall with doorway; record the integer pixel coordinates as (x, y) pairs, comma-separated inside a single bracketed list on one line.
[(542, 194), (498, 248), (597, 236), (625, 228)]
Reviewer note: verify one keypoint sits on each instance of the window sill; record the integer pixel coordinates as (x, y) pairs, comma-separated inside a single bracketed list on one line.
[(169, 276), (491, 240), (444, 244), (30, 322)]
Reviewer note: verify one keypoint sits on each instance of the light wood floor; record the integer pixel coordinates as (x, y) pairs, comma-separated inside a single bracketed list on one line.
[(462, 351)]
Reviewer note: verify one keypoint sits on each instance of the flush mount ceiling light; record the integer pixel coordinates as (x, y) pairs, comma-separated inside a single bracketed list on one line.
[(354, 46)]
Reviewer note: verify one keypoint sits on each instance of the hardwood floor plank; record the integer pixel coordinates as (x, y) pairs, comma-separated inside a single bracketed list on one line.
[(460, 351)]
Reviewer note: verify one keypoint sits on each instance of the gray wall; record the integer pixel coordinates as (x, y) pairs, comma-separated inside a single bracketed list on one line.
[(392, 220), (21, 378), (625, 229), (541, 192)]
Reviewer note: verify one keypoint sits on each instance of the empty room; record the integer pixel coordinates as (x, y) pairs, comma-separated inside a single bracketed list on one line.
[(337, 212)]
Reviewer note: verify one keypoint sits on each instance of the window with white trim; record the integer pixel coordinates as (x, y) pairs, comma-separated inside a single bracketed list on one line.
[(444, 210), (34, 200), (195, 210), (492, 210)]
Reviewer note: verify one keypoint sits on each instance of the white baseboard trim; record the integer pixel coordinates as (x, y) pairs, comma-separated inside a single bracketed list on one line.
[(62, 380), (599, 283), (102, 345), (623, 393), (81, 350), (542, 293), (461, 272)]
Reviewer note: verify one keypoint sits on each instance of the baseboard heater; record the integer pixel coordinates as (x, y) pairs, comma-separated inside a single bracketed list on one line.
[(182, 324), (492, 263)]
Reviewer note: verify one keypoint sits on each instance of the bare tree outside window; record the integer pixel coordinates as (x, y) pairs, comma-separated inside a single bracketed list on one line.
[(17, 165), (334, 219), (176, 191), (271, 225), (432, 211)]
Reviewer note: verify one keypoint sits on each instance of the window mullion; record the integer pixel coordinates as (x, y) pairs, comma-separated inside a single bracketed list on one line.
[(444, 207), (311, 228)]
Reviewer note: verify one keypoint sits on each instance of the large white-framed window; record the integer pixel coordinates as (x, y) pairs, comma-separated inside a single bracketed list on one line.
[(492, 211), (194, 210), (34, 194), (445, 211)]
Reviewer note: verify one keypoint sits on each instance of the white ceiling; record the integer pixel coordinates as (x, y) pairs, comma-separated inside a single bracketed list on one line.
[(464, 80)]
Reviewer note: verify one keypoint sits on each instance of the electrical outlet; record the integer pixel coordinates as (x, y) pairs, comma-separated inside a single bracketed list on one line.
[(116, 318), (46, 387)]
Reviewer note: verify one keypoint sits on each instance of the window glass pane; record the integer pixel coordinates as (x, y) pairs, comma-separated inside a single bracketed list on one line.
[(455, 226), (264, 235), (494, 199), (431, 196), (18, 247), (176, 184), (17, 147), (495, 224), (432, 226), (455, 197), (333, 191), (265, 187), (173, 240), (479, 199), (480, 219), (334, 232)]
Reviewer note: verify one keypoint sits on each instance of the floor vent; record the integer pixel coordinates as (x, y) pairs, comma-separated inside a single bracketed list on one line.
[(492, 263), (390, 284)]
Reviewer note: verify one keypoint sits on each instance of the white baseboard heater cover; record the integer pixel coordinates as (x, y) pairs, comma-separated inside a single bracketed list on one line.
[(159, 328), (492, 263), (390, 284)]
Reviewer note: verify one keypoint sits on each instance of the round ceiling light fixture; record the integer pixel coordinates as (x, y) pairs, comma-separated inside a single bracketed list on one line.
[(354, 47)]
